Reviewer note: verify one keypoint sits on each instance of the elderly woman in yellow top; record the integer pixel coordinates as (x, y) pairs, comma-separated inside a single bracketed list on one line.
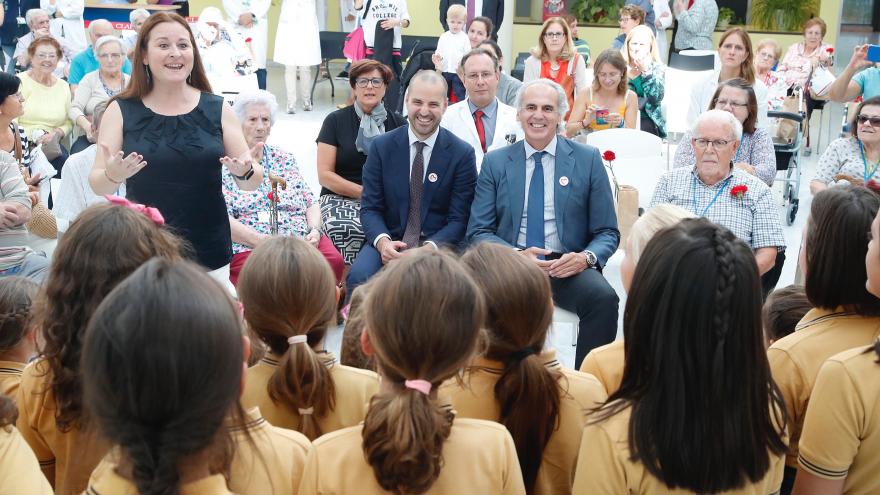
[(97, 87), (45, 119)]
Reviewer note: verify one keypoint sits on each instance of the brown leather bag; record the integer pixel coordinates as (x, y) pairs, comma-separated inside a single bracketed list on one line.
[(42, 222)]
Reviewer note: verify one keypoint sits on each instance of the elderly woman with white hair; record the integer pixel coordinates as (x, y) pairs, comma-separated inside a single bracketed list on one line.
[(712, 187), (96, 87), (136, 19), (299, 214)]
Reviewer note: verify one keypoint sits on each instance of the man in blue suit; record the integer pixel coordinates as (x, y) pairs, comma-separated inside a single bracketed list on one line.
[(418, 184), (562, 218)]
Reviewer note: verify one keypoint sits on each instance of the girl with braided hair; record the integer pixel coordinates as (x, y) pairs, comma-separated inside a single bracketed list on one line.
[(17, 336), (424, 314), (839, 448), (515, 381), (697, 410)]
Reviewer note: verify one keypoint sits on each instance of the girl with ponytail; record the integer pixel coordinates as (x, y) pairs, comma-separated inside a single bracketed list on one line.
[(162, 366), (839, 450), (289, 296), (697, 410), (424, 314), (515, 382)]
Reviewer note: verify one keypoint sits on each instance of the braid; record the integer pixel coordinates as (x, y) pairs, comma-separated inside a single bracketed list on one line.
[(13, 326), (726, 278)]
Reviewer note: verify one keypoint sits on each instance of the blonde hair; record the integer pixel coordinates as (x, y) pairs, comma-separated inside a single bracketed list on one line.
[(653, 221), (456, 11), (777, 51), (541, 52), (640, 29)]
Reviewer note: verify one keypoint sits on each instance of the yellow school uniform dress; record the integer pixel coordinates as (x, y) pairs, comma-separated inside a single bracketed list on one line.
[(354, 389), (475, 398), (71, 455), (109, 483), (795, 359), (605, 465), (19, 470), (272, 463), (10, 377), (606, 364), (478, 458), (841, 435)]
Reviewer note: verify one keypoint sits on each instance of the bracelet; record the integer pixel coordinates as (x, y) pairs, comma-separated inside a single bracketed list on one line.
[(247, 175), (111, 178)]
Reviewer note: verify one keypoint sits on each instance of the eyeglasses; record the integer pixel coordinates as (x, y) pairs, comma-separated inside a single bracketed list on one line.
[(18, 96), (554, 35), (476, 76), (374, 82), (110, 56), (46, 56), (702, 143), (731, 103), (863, 119), (766, 56), (625, 19)]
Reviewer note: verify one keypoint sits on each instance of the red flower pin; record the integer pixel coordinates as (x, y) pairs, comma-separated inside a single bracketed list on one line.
[(248, 40), (739, 191), (271, 196), (830, 50), (873, 185), (608, 156)]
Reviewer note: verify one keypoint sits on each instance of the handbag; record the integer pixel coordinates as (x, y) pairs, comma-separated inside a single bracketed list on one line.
[(52, 149), (820, 81), (787, 128), (354, 48), (42, 222), (627, 210)]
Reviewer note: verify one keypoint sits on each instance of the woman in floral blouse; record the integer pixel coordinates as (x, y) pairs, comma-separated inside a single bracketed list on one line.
[(298, 213)]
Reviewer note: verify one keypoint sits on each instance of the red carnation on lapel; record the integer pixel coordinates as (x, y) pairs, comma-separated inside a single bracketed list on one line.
[(829, 49), (248, 40), (739, 191), (608, 156)]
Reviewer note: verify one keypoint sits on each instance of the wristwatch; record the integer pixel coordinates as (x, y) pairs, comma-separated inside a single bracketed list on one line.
[(247, 175), (591, 258)]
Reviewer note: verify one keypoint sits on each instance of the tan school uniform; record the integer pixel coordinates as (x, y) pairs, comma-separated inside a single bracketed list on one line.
[(10, 377), (606, 364), (795, 359), (110, 483), (71, 455), (841, 435), (605, 466), (19, 470), (475, 398), (271, 461), (478, 458), (354, 389)]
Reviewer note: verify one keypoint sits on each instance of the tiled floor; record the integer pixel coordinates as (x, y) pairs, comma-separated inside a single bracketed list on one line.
[(297, 133)]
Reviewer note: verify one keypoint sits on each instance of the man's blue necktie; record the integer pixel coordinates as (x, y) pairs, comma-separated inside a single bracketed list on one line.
[(535, 213)]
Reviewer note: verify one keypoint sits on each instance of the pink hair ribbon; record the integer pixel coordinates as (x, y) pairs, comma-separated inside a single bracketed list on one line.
[(422, 386), (148, 211)]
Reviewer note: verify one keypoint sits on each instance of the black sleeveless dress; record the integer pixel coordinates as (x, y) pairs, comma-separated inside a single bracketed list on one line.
[(183, 173)]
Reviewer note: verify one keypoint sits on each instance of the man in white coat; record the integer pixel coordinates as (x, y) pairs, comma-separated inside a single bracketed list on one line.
[(481, 120), (250, 19), (298, 47), (67, 22)]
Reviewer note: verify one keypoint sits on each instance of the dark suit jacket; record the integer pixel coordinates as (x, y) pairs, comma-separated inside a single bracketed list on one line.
[(446, 202), (584, 207), (493, 9)]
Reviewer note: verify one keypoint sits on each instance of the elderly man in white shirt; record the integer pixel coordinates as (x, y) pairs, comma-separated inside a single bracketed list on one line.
[(68, 22), (39, 24), (481, 120)]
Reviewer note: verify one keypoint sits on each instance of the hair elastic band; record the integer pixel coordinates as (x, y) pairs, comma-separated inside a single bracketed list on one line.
[(306, 411), (521, 354), (297, 339), (422, 386)]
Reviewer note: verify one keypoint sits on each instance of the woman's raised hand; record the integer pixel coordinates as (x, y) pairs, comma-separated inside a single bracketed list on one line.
[(118, 167)]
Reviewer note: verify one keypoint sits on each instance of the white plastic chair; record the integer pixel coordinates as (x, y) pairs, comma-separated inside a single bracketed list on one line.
[(639, 161), (677, 97)]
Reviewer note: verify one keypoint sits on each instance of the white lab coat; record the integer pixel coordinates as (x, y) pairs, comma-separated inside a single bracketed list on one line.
[(297, 41), (702, 92), (259, 32), (661, 7), (458, 120), (70, 25)]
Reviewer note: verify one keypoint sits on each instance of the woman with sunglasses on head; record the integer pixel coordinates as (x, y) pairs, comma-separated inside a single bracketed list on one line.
[(755, 153), (855, 158)]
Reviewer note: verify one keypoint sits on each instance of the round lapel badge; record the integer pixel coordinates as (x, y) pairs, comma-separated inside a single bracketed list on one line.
[(432, 177), (563, 181)]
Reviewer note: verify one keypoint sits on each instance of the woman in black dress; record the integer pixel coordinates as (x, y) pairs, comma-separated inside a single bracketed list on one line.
[(167, 137), (343, 144)]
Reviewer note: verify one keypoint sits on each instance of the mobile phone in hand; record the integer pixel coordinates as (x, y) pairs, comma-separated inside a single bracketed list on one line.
[(602, 116), (873, 53)]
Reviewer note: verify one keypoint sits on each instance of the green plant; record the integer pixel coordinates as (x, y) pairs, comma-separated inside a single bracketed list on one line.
[(726, 14), (596, 11), (782, 15)]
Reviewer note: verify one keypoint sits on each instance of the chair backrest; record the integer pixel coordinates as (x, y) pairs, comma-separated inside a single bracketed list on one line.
[(677, 97), (519, 67), (692, 62), (638, 161), (331, 44)]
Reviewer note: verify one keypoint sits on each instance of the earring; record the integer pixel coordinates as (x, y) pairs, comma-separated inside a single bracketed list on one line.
[(149, 73), (189, 78)]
